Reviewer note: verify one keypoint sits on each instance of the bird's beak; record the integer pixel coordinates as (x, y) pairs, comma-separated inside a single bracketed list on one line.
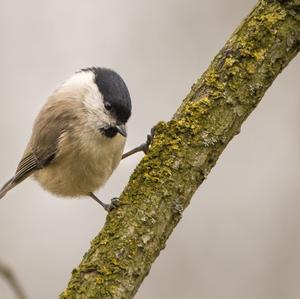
[(122, 130)]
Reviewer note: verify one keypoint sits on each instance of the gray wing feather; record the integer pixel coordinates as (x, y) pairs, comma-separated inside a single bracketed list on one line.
[(7, 186), (26, 167), (53, 120)]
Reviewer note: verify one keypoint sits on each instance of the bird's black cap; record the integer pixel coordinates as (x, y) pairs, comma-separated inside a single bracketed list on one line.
[(114, 91)]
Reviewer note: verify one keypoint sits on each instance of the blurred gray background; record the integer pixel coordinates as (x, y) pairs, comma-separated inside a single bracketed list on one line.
[(240, 236)]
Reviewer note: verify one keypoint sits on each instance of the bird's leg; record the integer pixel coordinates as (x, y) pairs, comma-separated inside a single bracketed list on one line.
[(107, 207), (144, 147)]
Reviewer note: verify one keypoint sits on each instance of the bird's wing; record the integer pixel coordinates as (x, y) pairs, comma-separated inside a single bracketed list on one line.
[(44, 142), (26, 167), (30, 163)]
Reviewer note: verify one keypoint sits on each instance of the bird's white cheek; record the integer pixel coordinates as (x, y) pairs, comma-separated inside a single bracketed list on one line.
[(93, 98), (97, 120), (96, 116)]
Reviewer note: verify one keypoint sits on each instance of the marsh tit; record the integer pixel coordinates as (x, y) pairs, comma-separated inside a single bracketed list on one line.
[(78, 137)]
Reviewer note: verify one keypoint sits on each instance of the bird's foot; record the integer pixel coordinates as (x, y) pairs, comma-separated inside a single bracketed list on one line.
[(107, 207), (147, 144), (114, 203), (144, 147)]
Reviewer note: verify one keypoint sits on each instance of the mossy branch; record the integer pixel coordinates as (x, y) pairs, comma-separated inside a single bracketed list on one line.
[(184, 150)]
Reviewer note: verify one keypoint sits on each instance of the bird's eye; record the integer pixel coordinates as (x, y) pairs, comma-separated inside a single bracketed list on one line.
[(107, 106)]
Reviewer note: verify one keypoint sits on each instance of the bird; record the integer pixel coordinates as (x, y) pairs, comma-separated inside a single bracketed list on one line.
[(78, 136)]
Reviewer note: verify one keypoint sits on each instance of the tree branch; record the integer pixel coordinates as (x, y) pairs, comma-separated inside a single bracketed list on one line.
[(12, 280), (184, 150)]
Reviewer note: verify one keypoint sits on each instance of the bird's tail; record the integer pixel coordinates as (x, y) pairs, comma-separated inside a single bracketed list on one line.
[(9, 185)]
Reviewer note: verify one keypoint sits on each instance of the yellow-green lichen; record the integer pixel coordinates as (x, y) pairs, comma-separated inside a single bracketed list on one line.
[(259, 54), (229, 61)]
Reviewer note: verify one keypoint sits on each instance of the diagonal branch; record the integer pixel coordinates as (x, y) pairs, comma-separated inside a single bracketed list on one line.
[(184, 150), (12, 280)]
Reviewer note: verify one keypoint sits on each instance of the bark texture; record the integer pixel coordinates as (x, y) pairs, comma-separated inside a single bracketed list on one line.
[(184, 150)]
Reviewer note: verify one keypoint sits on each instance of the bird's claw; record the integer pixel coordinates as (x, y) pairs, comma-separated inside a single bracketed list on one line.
[(114, 203), (144, 147), (147, 144), (107, 207)]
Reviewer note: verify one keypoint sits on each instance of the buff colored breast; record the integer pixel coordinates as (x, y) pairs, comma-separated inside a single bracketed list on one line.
[(85, 166)]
